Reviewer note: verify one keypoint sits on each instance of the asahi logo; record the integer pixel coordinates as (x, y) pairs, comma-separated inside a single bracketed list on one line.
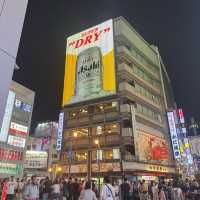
[(89, 72), (88, 66)]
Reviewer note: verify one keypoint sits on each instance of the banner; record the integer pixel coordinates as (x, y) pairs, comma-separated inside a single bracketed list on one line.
[(90, 67)]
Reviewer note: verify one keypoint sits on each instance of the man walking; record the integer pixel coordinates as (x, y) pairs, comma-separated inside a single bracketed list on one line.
[(31, 191)]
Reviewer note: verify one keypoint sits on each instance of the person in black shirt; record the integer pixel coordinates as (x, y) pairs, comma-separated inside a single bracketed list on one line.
[(125, 189)]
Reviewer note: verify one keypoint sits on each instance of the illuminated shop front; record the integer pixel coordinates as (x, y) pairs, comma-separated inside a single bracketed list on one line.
[(15, 130)]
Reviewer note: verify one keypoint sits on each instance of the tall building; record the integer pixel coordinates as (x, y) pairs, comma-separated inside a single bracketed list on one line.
[(115, 105), (15, 129), (11, 23)]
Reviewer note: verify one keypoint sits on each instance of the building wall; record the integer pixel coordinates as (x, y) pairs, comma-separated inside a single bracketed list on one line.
[(121, 122), (16, 131)]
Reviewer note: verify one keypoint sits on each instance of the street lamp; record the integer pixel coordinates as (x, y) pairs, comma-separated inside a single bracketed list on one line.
[(59, 169), (96, 142), (50, 170), (75, 134)]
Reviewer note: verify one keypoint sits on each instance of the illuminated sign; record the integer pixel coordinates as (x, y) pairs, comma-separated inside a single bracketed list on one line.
[(7, 116), (23, 106), (16, 141), (181, 116), (36, 159), (60, 130), (9, 168), (173, 133), (152, 148), (157, 168), (7, 154), (90, 66), (18, 128)]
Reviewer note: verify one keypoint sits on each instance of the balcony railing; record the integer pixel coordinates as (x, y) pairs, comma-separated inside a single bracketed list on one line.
[(124, 51), (124, 86), (125, 68)]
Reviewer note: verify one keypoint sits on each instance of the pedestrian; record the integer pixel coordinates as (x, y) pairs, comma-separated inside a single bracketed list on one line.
[(11, 189), (135, 192), (31, 190), (155, 191), (75, 189), (169, 191), (125, 189), (87, 193), (56, 190), (177, 192), (46, 190), (4, 189), (161, 193), (19, 190), (67, 189), (107, 192), (116, 189), (144, 191)]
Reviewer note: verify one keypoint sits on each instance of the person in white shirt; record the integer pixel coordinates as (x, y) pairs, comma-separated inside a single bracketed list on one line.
[(31, 190), (108, 192), (56, 190), (87, 193), (11, 189)]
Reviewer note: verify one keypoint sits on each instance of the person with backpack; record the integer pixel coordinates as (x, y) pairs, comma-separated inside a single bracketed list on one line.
[(108, 192)]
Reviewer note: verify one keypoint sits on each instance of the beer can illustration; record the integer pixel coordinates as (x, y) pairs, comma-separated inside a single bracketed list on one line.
[(89, 74)]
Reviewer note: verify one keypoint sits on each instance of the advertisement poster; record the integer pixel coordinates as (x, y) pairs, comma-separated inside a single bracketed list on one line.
[(36, 160), (152, 148), (90, 66)]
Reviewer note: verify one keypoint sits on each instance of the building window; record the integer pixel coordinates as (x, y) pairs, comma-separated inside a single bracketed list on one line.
[(76, 133), (112, 128), (106, 107), (80, 156), (127, 123), (149, 112)]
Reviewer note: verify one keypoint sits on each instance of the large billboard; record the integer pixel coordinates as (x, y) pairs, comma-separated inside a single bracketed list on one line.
[(90, 64), (36, 160), (152, 148)]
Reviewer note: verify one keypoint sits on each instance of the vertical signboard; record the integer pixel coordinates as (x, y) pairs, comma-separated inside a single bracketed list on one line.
[(90, 66), (7, 117), (12, 15), (60, 130), (173, 133)]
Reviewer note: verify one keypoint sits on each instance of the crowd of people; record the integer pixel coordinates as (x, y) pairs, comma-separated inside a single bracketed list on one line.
[(74, 189)]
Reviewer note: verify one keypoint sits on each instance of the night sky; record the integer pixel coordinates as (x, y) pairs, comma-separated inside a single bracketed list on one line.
[(171, 25)]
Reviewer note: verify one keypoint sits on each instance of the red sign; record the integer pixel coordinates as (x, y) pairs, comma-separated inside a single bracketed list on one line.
[(18, 128), (6, 154), (158, 151), (181, 116)]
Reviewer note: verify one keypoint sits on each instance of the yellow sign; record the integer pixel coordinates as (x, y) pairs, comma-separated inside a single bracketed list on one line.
[(90, 64)]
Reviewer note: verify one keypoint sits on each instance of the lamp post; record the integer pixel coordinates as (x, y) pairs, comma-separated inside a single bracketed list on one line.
[(98, 162)]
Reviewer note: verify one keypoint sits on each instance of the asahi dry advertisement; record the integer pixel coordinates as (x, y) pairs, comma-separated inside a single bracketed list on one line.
[(90, 66)]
